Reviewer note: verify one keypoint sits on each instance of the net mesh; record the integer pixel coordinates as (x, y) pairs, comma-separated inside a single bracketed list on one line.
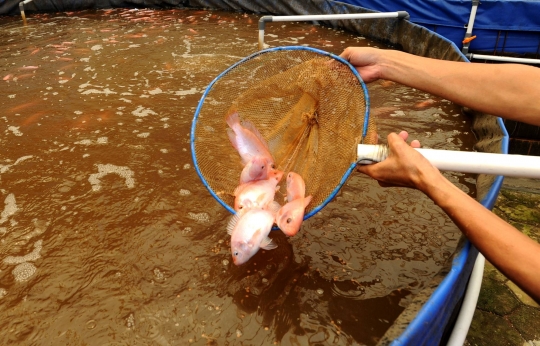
[(308, 106)]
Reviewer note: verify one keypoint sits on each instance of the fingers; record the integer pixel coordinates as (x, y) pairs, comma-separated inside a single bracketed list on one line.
[(416, 144)]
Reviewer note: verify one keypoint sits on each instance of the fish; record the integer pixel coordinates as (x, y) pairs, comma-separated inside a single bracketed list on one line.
[(424, 104), (256, 169), (289, 217), (247, 140), (259, 193), (249, 232), (296, 188)]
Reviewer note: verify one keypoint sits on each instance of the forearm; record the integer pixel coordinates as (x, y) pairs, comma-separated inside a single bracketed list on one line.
[(513, 253), (506, 90)]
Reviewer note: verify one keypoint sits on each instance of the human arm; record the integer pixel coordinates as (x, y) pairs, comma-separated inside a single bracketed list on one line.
[(511, 91), (513, 253)]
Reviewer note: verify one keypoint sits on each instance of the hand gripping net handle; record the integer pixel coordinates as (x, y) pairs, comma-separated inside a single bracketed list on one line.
[(311, 107)]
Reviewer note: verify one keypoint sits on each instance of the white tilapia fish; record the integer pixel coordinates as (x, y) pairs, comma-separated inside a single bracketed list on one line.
[(249, 232)]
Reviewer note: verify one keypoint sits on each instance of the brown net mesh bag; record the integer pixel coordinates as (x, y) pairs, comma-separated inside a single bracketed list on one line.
[(310, 107)]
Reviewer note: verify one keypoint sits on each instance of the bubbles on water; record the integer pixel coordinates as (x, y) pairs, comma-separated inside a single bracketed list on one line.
[(10, 208), (199, 217), (3, 292), (122, 171), (100, 140), (158, 274), (5, 168), (143, 112), (320, 291), (187, 166), (97, 47), (15, 130), (155, 91), (143, 135), (184, 192), (164, 151), (24, 271), (130, 321), (32, 256)]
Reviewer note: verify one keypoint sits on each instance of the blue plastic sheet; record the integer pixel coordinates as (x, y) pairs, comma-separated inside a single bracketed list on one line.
[(500, 26)]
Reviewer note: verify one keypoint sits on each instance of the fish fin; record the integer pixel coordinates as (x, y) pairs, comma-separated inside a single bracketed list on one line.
[(232, 119), (232, 138), (307, 200), (248, 125), (232, 223), (267, 244), (274, 207)]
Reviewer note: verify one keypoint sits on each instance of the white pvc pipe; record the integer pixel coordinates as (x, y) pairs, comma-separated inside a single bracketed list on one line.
[(503, 58), (463, 322), (309, 17), (463, 161)]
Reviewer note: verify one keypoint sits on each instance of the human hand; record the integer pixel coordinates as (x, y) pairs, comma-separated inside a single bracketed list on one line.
[(403, 167), (365, 60)]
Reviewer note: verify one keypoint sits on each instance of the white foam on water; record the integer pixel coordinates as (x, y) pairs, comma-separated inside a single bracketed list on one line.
[(77, 112), (199, 217), (103, 170), (12, 96), (3, 292), (143, 135), (164, 151), (84, 59), (24, 271), (105, 91), (87, 142), (15, 130), (125, 100), (187, 166), (5, 168), (185, 192), (143, 112), (155, 91), (191, 91), (96, 47), (32, 256), (10, 208)]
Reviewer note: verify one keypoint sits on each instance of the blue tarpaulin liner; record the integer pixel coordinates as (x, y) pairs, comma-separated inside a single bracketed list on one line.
[(511, 26), (428, 317)]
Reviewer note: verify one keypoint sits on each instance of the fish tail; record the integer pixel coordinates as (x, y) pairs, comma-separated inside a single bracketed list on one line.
[(233, 119)]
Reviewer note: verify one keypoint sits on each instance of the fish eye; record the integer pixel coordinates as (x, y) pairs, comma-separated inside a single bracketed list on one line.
[(235, 253), (262, 167), (240, 207), (273, 166), (289, 220)]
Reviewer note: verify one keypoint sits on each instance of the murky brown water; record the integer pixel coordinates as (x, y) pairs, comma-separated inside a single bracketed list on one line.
[(107, 236)]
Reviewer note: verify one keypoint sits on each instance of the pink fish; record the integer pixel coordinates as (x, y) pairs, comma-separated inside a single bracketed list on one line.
[(28, 68), (247, 140), (249, 232), (256, 169), (259, 193), (296, 188), (7, 77), (289, 218), (424, 104)]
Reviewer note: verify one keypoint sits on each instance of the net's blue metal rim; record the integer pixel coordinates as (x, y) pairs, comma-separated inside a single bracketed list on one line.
[(209, 88)]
